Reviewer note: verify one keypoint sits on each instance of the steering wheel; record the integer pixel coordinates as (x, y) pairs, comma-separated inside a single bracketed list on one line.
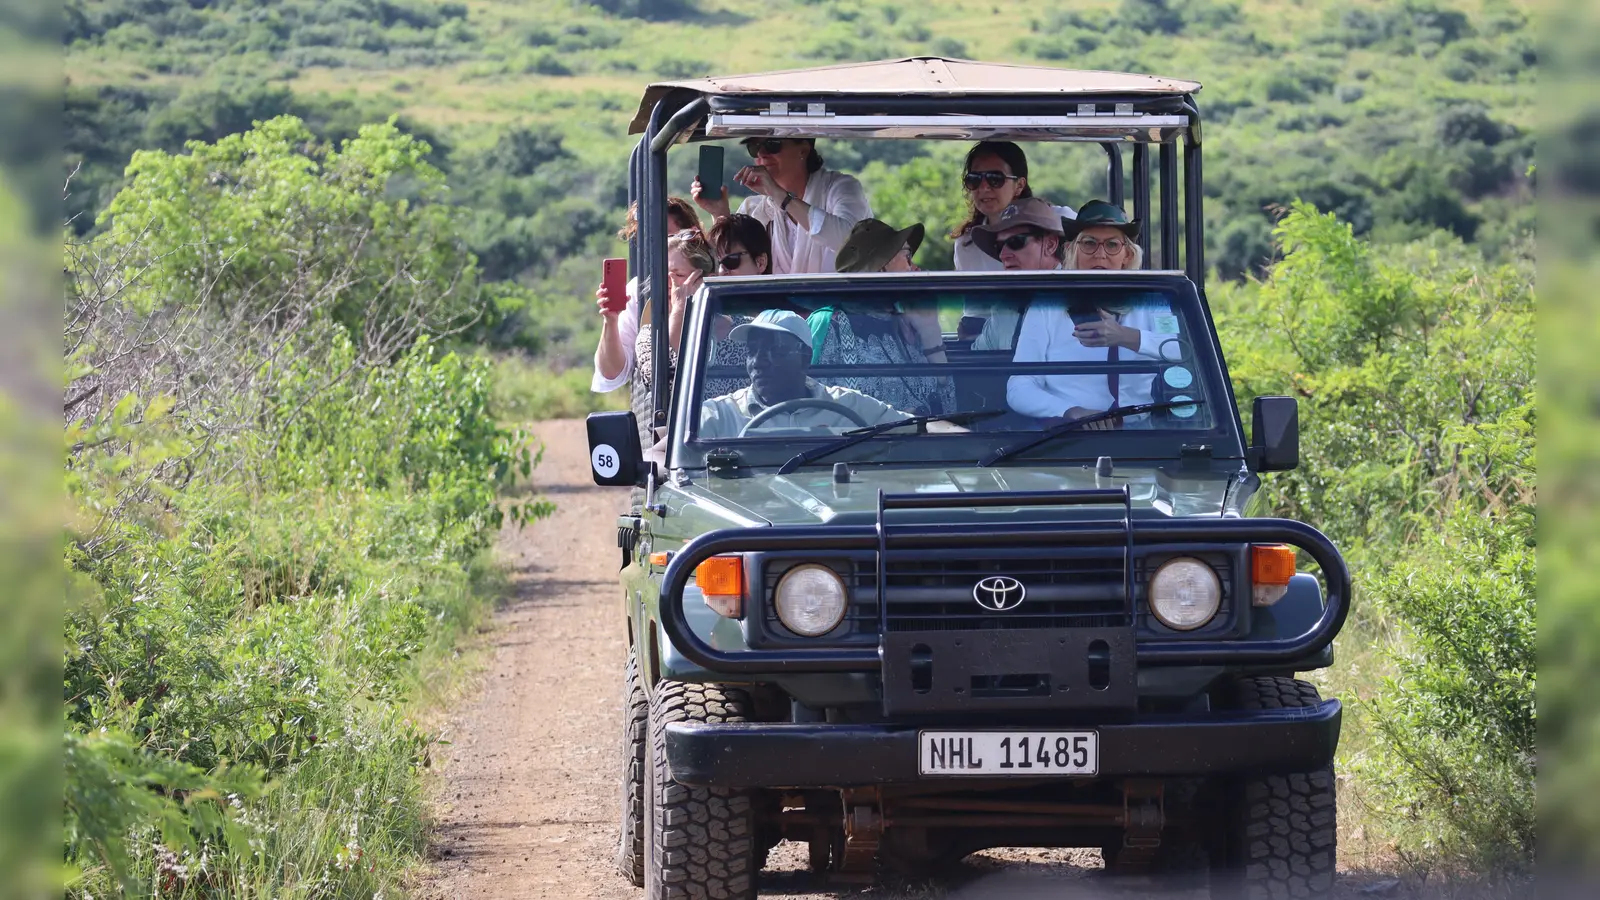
[(803, 403)]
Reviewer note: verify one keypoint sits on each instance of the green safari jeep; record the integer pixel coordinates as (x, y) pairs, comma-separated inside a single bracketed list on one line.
[(898, 615)]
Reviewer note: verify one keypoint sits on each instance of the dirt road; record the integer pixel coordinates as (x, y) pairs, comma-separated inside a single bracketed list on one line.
[(528, 799)]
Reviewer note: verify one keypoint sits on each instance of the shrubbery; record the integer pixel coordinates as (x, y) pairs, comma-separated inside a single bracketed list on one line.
[(281, 491), (1415, 376)]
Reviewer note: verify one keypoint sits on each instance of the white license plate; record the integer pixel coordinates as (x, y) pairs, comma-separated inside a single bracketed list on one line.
[(1019, 753)]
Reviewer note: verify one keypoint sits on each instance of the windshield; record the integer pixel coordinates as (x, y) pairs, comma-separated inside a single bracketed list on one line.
[(787, 366)]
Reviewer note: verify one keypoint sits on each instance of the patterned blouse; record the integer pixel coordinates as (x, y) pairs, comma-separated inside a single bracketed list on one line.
[(843, 338)]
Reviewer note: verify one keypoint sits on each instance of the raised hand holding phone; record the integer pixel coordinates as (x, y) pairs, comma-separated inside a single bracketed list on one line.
[(708, 191)]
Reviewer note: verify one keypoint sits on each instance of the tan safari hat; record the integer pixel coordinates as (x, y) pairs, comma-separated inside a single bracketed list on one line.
[(1034, 211)]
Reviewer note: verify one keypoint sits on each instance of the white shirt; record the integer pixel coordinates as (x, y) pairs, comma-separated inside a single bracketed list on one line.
[(1047, 337), (1000, 324), (837, 203), (970, 259), (723, 417), (628, 331)]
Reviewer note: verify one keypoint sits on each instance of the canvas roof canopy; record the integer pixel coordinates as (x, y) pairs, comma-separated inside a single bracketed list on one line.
[(931, 77)]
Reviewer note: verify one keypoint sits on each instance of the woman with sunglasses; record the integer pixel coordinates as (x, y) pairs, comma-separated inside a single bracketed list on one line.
[(807, 209), (619, 328), (742, 246), (1139, 325), (688, 262), (995, 176)]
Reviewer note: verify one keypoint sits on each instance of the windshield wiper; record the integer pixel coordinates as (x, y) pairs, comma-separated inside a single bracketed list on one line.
[(1056, 431), (852, 438)]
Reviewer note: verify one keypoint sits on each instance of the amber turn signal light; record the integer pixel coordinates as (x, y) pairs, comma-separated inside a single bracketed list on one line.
[(721, 581), (1271, 569), (1271, 563)]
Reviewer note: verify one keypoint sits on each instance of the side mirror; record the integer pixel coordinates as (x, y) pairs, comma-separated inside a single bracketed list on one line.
[(615, 458), (1275, 434)]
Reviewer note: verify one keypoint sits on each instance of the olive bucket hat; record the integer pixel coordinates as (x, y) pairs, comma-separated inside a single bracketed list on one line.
[(1099, 212), (872, 245)]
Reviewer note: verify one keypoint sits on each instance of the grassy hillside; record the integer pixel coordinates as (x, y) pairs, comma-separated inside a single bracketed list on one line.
[(1402, 117)]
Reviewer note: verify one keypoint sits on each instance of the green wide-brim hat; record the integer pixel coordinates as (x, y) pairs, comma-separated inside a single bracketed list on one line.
[(1099, 212), (873, 243)]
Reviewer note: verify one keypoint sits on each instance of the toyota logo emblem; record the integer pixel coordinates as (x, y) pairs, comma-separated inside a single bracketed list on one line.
[(999, 593)]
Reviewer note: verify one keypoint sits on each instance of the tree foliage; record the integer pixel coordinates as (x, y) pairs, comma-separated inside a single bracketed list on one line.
[(1391, 356), (1414, 370), (359, 232), (280, 483)]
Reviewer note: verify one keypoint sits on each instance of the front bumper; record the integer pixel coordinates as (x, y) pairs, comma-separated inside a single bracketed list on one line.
[(761, 755), (886, 540)]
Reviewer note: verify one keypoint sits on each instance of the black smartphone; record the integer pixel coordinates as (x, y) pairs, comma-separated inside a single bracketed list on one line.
[(711, 169), (1082, 314)]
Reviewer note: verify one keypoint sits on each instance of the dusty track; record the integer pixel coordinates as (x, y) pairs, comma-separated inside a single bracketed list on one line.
[(528, 799)]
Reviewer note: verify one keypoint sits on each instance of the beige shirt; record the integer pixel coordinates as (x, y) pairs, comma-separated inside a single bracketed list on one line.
[(722, 417), (837, 201)]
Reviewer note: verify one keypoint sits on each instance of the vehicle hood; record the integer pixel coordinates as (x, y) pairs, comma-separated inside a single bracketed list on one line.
[(811, 496)]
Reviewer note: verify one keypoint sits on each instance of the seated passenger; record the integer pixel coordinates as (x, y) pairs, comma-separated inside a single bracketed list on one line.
[(808, 209), (1102, 237), (994, 176), (614, 359), (626, 351), (778, 353), (1027, 235), (742, 245), (842, 335)]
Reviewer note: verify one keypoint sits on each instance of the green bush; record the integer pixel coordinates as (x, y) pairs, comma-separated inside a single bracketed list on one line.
[(923, 190), (654, 10), (1454, 772), (1414, 373), (1390, 358), (267, 627), (278, 510), (364, 218)]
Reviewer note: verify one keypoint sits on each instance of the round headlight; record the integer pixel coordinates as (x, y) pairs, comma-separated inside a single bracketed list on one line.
[(810, 600), (1185, 593)]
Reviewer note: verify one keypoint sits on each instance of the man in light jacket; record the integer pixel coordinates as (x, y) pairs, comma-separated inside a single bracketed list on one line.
[(808, 210)]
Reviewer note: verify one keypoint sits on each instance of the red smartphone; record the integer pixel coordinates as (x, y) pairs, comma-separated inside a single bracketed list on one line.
[(614, 277)]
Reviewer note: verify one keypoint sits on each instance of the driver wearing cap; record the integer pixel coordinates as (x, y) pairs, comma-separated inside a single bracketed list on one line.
[(777, 355)]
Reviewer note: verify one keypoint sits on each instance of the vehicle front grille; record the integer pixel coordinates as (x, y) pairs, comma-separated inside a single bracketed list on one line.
[(1073, 589), (1080, 587)]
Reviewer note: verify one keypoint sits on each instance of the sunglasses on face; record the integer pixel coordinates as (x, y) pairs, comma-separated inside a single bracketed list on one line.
[(1091, 246), (770, 146), (996, 180), (731, 261), (1017, 241)]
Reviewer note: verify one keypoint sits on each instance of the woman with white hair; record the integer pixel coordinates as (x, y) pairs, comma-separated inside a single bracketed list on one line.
[(1101, 238)]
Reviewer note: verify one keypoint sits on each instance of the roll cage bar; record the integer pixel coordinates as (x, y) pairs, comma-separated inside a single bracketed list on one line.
[(685, 114)]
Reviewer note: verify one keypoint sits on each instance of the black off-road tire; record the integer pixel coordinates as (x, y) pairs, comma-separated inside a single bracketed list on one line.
[(1281, 837), (701, 843), (635, 738)]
